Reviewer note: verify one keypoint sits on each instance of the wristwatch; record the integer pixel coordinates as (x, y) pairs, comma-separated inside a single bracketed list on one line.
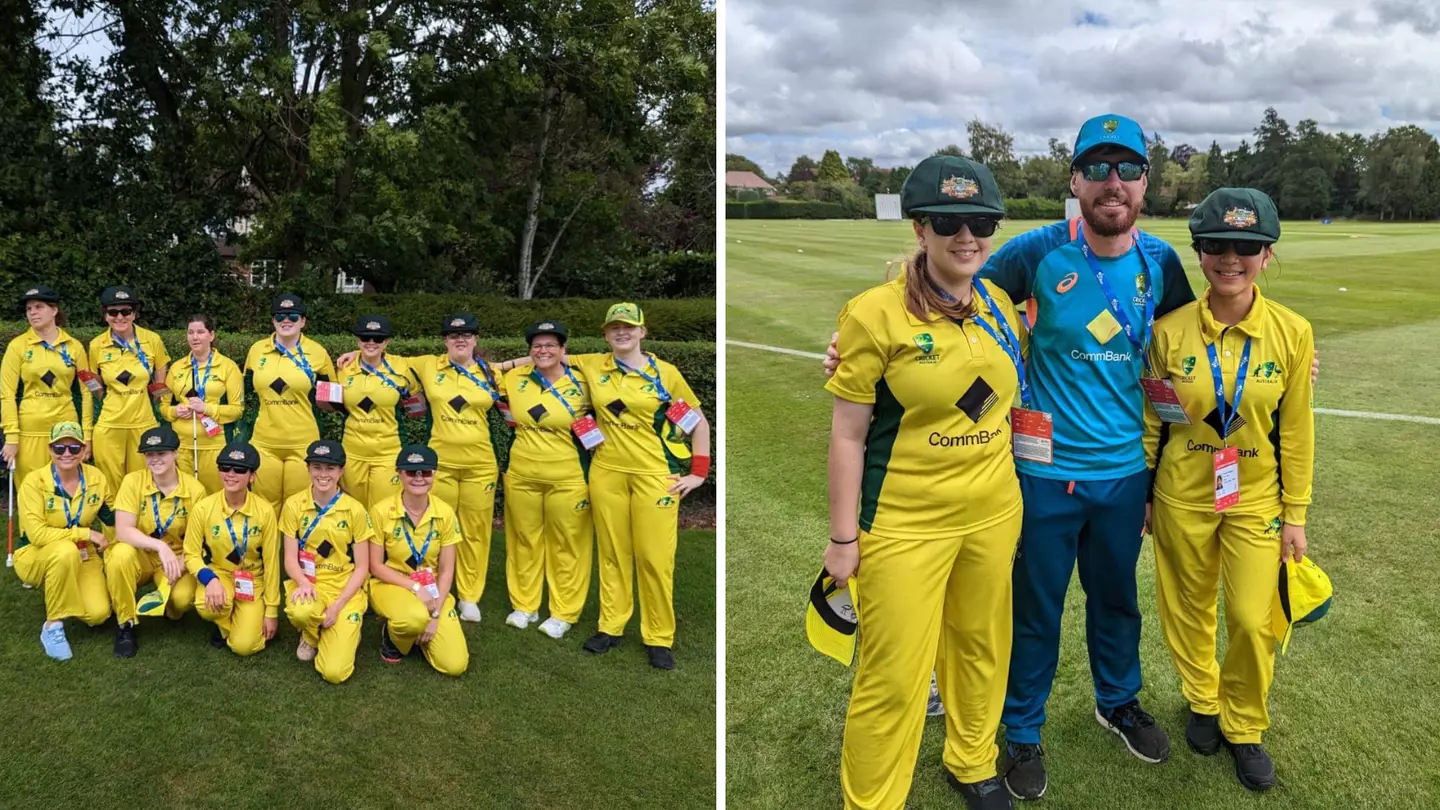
[(434, 614), (414, 587)]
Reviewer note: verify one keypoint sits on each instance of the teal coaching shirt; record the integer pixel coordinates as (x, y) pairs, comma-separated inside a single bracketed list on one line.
[(1083, 369)]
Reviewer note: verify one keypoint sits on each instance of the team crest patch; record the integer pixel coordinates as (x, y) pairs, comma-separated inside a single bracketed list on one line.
[(287, 303), (1268, 370), (121, 295), (32, 291), (457, 322), (925, 342), (322, 451), (582, 505), (1240, 217), (1275, 526), (1140, 284), (665, 502), (604, 378), (152, 441), (1187, 365), (960, 188), (1111, 125), (237, 455), (353, 617), (373, 326), (414, 458), (547, 326)]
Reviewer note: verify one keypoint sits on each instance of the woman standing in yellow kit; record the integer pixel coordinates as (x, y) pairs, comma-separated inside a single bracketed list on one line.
[(377, 386), (131, 362), (549, 537), (206, 400), (1230, 440)]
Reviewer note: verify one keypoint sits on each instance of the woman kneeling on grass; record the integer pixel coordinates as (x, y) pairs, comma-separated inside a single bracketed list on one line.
[(413, 563), (327, 555), (1231, 478), (233, 549)]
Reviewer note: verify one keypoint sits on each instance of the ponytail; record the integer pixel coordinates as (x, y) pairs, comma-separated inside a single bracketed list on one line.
[(922, 297)]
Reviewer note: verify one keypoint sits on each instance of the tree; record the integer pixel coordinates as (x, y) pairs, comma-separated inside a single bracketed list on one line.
[(950, 149), (802, 170), (995, 148), (1182, 154), (1308, 173), (1157, 200), (1273, 140), (832, 168), (1216, 171), (740, 163)]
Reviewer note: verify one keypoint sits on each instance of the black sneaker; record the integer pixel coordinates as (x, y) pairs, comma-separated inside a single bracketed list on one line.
[(125, 643), (389, 653), (601, 643), (1202, 733), (1252, 765), (987, 794), (660, 657), (1145, 740), (217, 638), (1025, 770)]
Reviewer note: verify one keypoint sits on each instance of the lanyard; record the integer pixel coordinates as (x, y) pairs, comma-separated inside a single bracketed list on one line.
[(64, 355), (544, 383), (137, 350), (71, 522), (160, 530), (301, 362), (319, 513), (1010, 343), (239, 549), (195, 382), (1220, 404), (1138, 341), (404, 392), (418, 555), (655, 381), (484, 386)]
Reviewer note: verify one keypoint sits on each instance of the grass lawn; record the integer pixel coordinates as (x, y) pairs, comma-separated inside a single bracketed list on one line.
[(535, 723), (1356, 703)]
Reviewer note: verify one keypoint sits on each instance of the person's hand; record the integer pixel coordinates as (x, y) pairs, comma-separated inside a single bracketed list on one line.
[(303, 594), (842, 560), (344, 359), (684, 484), (332, 613), (432, 605), (85, 452), (215, 596), (99, 539), (1292, 542), (832, 355), (429, 631), (174, 569), (182, 412), (269, 628), (196, 405), (1315, 368), (9, 452), (1146, 529)]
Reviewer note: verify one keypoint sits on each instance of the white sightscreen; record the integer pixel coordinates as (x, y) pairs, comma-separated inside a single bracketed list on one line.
[(1072, 208), (887, 206)]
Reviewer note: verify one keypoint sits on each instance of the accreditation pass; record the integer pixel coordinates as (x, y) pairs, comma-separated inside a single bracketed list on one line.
[(1033, 438), (1164, 400)]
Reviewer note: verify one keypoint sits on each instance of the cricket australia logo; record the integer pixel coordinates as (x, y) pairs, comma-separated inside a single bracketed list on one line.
[(925, 342), (1240, 218), (373, 326), (152, 441), (582, 505), (236, 455), (665, 502), (457, 322), (287, 303), (1110, 126), (414, 458), (1187, 365), (960, 188), (121, 295), (1274, 527), (1268, 370), (322, 450)]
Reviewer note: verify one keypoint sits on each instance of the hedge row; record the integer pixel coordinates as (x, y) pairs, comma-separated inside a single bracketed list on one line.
[(696, 360), (1034, 208), (1022, 208)]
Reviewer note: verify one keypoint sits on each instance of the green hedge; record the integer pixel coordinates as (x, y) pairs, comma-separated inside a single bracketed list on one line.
[(789, 209), (695, 359), (1034, 208)]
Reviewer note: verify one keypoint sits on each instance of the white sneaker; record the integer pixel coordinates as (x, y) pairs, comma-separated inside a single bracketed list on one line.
[(554, 628), (521, 619), (305, 652), (469, 612)]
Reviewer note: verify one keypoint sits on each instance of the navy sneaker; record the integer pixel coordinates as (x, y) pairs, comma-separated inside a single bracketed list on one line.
[(1025, 771), (1252, 766), (1137, 728), (987, 794), (1202, 734)]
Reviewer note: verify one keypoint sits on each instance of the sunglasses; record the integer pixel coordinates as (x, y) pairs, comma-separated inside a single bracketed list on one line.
[(66, 449), (231, 469), (1098, 171), (950, 224), (1217, 247), (418, 473), (460, 336), (292, 317), (123, 312), (371, 339)]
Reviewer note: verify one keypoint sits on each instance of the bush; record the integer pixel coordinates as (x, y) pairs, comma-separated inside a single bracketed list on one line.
[(1034, 208), (792, 209)]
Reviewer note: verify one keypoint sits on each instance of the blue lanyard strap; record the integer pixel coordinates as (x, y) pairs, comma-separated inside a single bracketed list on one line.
[(1009, 342), (418, 555), (320, 512), (161, 529), (655, 381), (240, 548), (1142, 339), (138, 350), (484, 386), (64, 355), (544, 383), (404, 392), (71, 522), (301, 362), (195, 381), (1220, 405)]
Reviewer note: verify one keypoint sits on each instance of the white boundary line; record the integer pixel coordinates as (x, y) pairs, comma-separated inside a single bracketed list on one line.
[(1384, 417)]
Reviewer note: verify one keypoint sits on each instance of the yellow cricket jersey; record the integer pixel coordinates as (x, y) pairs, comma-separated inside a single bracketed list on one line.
[(39, 387), (209, 543), (217, 381), (333, 540), (47, 511), (140, 497), (1274, 431), (937, 456), (287, 416), (631, 413), (128, 369), (459, 404), (438, 526), (545, 449), (372, 407)]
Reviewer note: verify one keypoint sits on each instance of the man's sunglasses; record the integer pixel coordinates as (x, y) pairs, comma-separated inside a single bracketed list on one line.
[(418, 473), (1217, 247), (292, 317), (232, 470), (67, 449), (460, 336), (371, 339), (949, 224), (1098, 171), (122, 312)]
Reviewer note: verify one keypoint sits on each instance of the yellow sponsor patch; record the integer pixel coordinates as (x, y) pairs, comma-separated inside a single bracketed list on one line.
[(1104, 327)]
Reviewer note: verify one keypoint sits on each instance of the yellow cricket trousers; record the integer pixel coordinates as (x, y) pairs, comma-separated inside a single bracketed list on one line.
[(282, 473), (406, 618), (337, 643), (116, 451), (923, 604), (548, 539), (370, 481), (636, 527), (471, 493), (185, 463), (127, 568), (73, 589), (1194, 552), (33, 454), (241, 623)]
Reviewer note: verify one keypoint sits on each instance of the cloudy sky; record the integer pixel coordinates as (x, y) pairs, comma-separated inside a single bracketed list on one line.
[(897, 80)]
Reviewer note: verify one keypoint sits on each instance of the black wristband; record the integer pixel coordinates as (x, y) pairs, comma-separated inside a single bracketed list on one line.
[(843, 542)]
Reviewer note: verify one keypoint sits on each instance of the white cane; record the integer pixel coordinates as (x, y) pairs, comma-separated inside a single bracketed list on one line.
[(10, 518)]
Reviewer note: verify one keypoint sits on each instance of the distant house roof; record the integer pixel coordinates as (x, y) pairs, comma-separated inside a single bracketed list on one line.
[(746, 180)]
